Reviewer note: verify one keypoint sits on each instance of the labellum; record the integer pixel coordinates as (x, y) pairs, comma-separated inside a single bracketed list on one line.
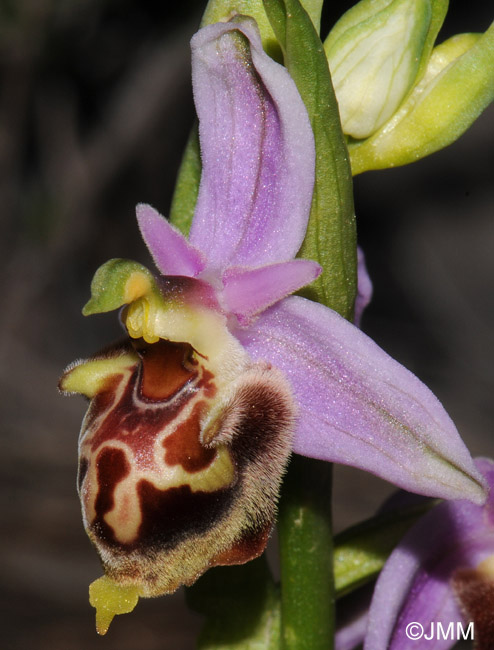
[(178, 472), (192, 419)]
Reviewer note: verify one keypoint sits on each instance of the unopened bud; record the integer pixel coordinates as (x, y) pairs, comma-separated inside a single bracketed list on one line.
[(457, 86), (374, 53)]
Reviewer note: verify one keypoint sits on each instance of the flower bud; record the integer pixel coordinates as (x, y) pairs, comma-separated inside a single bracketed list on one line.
[(458, 84), (374, 53)]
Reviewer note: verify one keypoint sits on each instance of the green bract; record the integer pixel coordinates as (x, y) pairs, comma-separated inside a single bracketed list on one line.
[(241, 605), (374, 53), (457, 86), (361, 551)]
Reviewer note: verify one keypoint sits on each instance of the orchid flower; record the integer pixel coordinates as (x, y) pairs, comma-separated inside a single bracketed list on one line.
[(192, 419), (440, 575)]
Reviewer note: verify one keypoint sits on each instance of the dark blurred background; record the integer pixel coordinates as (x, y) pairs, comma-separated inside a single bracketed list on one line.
[(95, 108)]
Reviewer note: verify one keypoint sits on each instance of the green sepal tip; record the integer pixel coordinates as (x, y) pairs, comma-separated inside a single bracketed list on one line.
[(118, 282)]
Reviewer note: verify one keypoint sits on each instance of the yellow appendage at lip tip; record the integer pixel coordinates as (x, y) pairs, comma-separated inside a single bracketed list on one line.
[(109, 599)]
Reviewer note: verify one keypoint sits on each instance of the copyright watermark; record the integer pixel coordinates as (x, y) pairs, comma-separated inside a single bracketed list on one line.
[(414, 631), (436, 631)]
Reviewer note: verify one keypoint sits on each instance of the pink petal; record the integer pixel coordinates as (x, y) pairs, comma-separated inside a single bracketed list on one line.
[(358, 406), (257, 151), (414, 585), (172, 253), (364, 287), (351, 634), (248, 292)]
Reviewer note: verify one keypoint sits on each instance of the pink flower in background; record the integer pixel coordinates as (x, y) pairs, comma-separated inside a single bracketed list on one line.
[(442, 572)]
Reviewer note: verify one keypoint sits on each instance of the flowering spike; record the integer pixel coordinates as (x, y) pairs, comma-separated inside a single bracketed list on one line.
[(191, 419)]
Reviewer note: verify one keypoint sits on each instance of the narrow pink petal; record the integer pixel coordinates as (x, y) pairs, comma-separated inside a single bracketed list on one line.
[(172, 253), (257, 151), (248, 292), (352, 633), (364, 287), (358, 406), (414, 585)]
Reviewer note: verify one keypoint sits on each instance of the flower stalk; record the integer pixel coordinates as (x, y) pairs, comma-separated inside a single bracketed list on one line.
[(306, 549)]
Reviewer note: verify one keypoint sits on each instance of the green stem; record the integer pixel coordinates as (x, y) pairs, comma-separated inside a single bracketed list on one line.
[(306, 555), (306, 544)]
